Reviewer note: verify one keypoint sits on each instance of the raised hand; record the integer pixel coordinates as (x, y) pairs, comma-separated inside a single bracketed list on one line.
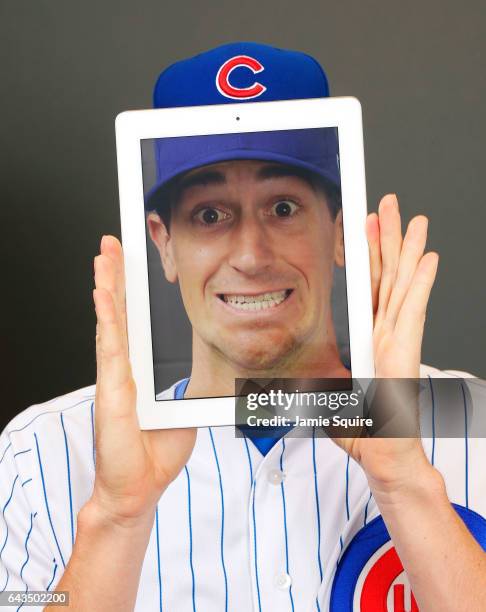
[(133, 467), (402, 277)]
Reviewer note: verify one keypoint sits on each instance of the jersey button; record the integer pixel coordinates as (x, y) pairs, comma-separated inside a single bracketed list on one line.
[(276, 477), (283, 581)]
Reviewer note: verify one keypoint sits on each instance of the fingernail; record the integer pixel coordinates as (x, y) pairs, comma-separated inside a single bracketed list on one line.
[(390, 199), (103, 242)]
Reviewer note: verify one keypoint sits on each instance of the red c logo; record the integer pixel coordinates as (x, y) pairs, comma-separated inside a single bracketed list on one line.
[(239, 93)]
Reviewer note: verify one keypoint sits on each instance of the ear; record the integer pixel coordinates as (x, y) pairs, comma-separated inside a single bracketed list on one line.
[(339, 240), (162, 240)]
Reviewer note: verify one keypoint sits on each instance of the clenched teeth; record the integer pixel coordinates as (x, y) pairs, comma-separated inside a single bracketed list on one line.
[(256, 302)]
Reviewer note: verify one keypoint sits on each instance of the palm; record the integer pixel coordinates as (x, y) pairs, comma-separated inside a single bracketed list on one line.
[(402, 278), (133, 467), (168, 451)]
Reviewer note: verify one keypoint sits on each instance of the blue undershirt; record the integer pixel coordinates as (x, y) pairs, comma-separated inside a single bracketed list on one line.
[(263, 444)]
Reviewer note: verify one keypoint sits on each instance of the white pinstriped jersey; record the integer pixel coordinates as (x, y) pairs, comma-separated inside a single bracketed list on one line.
[(236, 530)]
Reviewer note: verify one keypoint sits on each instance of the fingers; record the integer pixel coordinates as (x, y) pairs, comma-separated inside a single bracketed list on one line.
[(114, 388), (110, 275), (407, 277), (390, 245), (411, 319), (412, 251), (110, 247), (112, 358), (373, 235)]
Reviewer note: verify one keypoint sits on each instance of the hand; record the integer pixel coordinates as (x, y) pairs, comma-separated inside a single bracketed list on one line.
[(133, 467), (401, 280)]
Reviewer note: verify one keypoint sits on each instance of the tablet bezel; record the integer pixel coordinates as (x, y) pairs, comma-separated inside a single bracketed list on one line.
[(134, 126)]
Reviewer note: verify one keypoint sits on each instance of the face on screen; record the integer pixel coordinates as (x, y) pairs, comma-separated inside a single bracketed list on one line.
[(252, 246)]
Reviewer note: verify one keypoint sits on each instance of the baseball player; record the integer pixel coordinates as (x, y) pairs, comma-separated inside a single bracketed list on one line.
[(186, 520), (267, 236)]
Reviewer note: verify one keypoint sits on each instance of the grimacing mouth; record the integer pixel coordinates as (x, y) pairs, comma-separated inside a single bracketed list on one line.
[(259, 301)]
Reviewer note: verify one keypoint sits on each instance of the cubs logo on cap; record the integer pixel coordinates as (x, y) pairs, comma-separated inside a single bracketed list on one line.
[(237, 93), (240, 72), (370, 575)]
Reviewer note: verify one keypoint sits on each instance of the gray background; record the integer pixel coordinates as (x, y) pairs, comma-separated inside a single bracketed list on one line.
[(68, 68)]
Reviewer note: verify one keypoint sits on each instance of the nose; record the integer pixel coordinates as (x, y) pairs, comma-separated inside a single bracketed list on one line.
[(251, 252)]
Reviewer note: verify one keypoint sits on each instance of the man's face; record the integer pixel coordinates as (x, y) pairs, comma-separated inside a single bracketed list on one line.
[(252, 246)]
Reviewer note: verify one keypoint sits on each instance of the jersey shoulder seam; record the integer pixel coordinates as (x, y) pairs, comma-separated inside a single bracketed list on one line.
[(59, 404)]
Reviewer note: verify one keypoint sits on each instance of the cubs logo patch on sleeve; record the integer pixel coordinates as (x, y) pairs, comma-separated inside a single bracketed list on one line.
[(370, 575)]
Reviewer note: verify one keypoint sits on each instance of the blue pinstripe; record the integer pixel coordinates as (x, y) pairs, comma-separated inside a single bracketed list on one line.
[(346, 500), (158, 555), (32, 516), (317, 508), (466, 446), (255, 547), (53, 575), (28, 480), (249, 460), (347, 488), (285, 525), (27, 450), (68, 467), (252, 488), (432, 457), (222, 521), (254, 521), (341, 544), (6, 525), (45, 499), (366, 509), (190, 539), (5, 451)]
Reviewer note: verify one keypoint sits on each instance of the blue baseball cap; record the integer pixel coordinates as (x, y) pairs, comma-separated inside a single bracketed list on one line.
[(237, 73)]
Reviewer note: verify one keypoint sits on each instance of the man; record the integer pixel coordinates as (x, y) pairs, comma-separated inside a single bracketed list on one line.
[(253, 246), (167, 520)]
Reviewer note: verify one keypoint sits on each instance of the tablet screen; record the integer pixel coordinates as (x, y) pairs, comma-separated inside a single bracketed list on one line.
[(245, 259)]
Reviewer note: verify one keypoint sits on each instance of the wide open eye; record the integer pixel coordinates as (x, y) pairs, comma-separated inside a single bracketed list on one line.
[(284, 208), (210, 215)]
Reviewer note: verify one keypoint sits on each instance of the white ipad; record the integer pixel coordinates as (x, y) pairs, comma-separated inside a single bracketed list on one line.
[(243, 229)]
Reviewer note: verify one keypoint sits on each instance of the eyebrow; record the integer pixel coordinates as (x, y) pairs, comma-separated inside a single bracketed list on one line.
[(282, 171), (203, 178), (215, 177)]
